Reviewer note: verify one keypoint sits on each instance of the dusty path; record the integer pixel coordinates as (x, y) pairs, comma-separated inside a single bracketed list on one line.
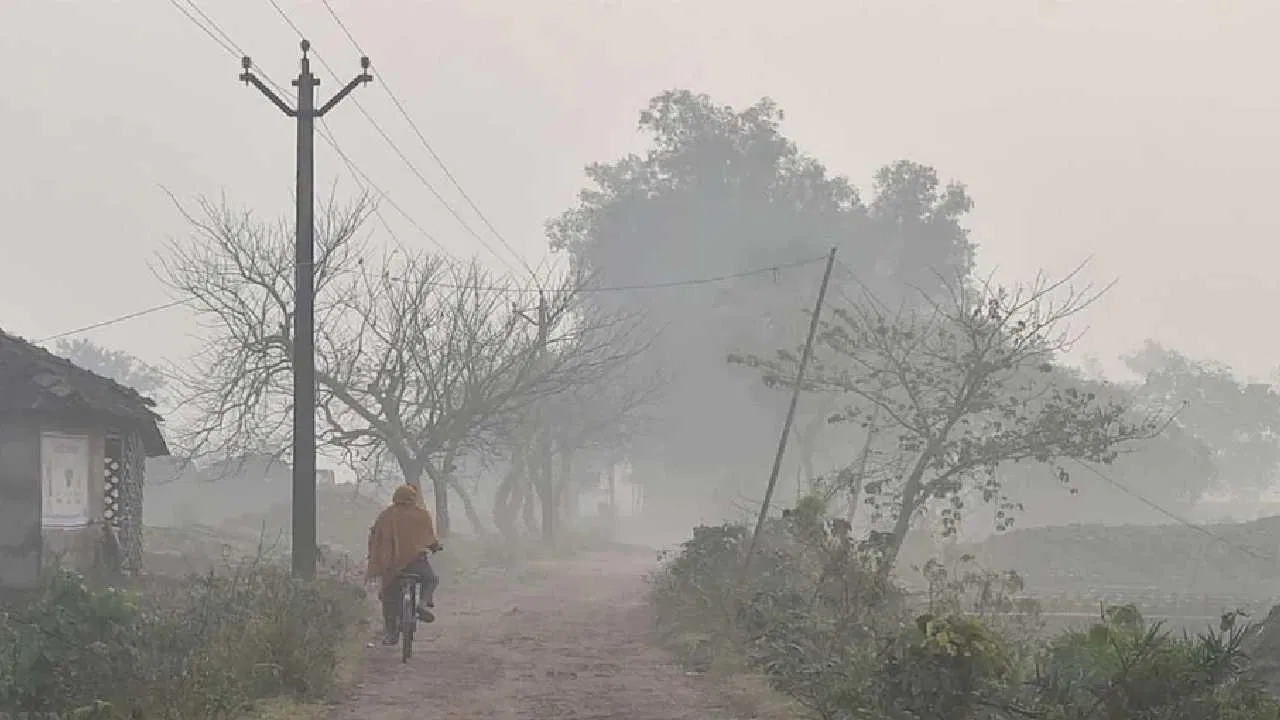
[(565, 641)]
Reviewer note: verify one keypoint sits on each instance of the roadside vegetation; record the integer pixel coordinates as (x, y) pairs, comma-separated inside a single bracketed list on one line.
[(819, 623), (207, 646)]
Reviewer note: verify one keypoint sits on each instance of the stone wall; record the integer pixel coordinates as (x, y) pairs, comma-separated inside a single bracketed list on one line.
[(20, 538)]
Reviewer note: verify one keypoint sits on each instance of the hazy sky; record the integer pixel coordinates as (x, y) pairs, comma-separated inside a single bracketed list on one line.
[(1143, 133)]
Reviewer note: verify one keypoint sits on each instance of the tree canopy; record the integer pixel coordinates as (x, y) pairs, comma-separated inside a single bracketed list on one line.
[(952, 391), (124, 368), (722, 191)]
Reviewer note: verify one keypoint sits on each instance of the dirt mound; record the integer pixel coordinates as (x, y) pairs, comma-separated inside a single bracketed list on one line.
[(344, 516), (193, 549), (1238, 559)]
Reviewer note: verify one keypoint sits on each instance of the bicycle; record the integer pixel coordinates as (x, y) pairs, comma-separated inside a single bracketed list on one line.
[(409, 584)]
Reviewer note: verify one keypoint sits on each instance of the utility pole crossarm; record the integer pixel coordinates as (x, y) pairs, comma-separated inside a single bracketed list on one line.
[(357, 81), (248, 78)]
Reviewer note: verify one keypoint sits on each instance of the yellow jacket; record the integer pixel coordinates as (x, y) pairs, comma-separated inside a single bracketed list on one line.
[(400, 533)]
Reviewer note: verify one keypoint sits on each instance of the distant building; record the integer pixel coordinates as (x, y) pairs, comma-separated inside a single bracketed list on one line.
[(73, 448)]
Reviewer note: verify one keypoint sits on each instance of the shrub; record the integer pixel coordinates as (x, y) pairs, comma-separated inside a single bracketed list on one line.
[(206, 646), (814, 617), (1121, 667), (947, 667), (803, 616)]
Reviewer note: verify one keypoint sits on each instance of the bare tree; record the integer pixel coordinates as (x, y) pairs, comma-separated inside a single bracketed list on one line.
[(417, 356), (593, 418), (953, 390)]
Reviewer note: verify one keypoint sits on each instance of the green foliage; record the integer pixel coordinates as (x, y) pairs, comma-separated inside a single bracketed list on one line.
[(69, 649), (1121, 667), (803, 616), (203, 647), (814, 618), (946, 667)]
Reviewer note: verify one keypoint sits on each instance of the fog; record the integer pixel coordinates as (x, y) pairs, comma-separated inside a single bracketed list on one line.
[(1136, 136), (567, 259)]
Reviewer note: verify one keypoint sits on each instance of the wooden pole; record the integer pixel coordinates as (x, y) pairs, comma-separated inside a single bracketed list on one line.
[(791, 416)]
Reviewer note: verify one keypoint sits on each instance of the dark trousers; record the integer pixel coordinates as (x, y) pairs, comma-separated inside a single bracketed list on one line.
[(421, 567)]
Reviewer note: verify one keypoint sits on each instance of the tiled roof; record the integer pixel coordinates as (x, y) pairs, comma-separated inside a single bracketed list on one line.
[(32, 378)]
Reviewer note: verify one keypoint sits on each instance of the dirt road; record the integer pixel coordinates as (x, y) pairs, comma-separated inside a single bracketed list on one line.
[(565, 641)]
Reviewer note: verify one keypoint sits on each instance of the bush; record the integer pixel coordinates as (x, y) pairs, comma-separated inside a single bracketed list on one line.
[(815, 620), (206, 647), (803, 617)]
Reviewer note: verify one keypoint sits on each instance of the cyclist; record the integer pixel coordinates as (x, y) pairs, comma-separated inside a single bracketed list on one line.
[(399, 542)]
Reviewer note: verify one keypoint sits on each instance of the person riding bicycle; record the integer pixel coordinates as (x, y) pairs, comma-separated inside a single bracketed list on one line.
[(399, 542)]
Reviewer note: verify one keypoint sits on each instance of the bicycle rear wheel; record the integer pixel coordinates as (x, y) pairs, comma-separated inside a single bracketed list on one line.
[(408, 621)]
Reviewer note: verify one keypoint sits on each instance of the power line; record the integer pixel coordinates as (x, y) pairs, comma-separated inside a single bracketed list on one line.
[(113, 321), (287, 19), (1174, 516), (616, 288), (284, 15), (216, 28), (427, 145), (230, 47), (647, 286), (362, 178)]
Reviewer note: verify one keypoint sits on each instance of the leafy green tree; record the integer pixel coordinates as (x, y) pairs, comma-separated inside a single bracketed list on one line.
[(722, 190), (117, 365)]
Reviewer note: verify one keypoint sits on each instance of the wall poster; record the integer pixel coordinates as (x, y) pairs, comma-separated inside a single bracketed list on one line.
[(65, 462)]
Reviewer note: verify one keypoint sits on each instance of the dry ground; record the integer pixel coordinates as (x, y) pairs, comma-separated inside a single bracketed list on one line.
[(566, 640)]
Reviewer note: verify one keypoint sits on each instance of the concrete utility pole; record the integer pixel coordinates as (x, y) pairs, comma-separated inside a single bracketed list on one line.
[(304, 315), (542, 468)]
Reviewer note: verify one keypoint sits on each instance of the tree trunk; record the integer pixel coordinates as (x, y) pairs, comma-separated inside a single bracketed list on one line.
[(529, 506), (544, 487), (860, 474), (440, 492), (468, 506), (612, 519), (505, 503), (410, 467), (440, 489), (613, 490), (567, 489), (894, 542), (912, 498)]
